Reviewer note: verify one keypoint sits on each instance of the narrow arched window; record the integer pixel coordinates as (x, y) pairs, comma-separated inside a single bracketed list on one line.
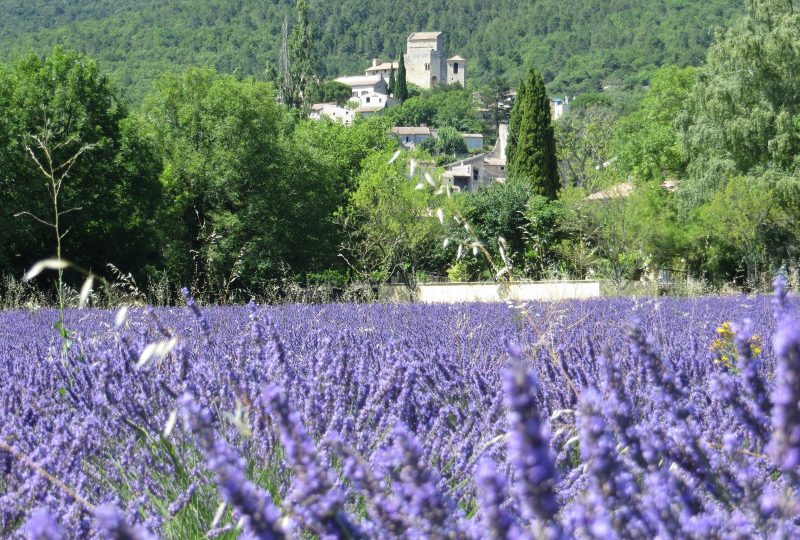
[(455, 68)]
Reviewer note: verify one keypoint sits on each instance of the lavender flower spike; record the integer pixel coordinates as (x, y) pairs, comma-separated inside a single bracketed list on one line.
[(42, 526), (495, 521), (112, 523), (261, 515), (529, 449), (784, 447)]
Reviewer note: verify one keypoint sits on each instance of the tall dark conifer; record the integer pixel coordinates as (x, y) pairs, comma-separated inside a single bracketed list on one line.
[(301, 54), (401, 87), (392, 80), (531, 150)]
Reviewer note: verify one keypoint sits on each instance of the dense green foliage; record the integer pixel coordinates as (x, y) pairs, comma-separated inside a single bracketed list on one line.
[(579, 46), (400, 86), (444, 106), (213, 183), (531, 149), (67, 115), (744, 113), (447, 142)]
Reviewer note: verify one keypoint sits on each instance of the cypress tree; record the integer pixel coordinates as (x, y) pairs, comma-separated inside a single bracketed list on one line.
[(301, 54), (401, 88), (392, 81), (531, 150)]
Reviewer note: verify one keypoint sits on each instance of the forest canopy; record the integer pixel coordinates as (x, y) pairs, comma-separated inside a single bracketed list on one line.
[(579, 45)]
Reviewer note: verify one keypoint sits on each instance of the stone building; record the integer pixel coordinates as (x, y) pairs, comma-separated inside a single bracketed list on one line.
[(332, 111), (382, 68), (482, 169), (411, 136), (427, 64)]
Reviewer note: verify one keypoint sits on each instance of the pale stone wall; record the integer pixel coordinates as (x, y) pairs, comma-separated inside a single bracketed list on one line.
[(427, 64), (450, 293), (461, 76), (416, 60)]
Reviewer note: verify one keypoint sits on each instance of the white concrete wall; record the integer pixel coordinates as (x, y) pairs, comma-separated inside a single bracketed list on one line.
[(450, 293)]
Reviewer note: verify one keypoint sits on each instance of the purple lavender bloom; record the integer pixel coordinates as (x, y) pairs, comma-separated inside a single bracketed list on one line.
[(609, 480), (112, 524), (255, 505), (316, 502), (432, 513), (529, 449), (751, 370), (494, 521), (784, 447), (41, 526), (192, 305)]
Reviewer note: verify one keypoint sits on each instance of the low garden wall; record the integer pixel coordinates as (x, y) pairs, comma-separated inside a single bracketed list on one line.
[(434, 293)]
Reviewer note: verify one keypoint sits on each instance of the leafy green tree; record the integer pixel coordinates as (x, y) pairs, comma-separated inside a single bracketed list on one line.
[(447, 141), (583, 139), (548, 228), (76, 161), (330, 92), (499, 211), (401, 90), (743, 115), (455, 108), (493, 98), (446, 106), (738, 224), (391, 227), (646, 142), (531, 143), (227, 196)]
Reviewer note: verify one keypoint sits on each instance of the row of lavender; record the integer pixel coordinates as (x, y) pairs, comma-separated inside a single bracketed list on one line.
[(594, 419)]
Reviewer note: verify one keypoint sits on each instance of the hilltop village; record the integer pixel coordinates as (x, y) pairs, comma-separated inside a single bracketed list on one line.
[(427, 65)]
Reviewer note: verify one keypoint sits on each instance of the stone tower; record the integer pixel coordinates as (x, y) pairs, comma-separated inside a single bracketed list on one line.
[(457, 71), (425, 59), (427, 64)]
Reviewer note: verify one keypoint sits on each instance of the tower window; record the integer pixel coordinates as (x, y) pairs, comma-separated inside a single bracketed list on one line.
[(455, 68), (427, 67)]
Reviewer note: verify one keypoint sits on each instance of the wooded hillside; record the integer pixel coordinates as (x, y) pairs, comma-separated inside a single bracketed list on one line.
[(578, 45)]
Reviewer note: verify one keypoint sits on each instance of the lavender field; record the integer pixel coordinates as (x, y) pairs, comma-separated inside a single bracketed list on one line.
[(593, 419)]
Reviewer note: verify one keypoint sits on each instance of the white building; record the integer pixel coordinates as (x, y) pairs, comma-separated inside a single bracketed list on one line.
[(427, 65), (411, 136), (332, 111), (558, 108), (363, 85), (382, 68), (371, 92)]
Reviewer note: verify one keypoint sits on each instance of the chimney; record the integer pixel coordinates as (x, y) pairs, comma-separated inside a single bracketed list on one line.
[(503, 139), (375, 62)]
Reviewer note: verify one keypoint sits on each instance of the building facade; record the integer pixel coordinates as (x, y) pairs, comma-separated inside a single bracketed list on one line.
[(482, 169), (411, 136), (382, 68), (427, 64)]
